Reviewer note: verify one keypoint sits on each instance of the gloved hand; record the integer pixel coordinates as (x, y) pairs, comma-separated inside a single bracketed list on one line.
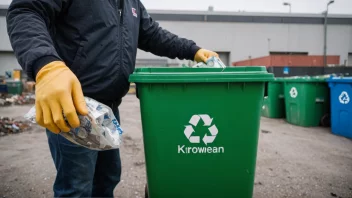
[(58, 92), (203, 55)]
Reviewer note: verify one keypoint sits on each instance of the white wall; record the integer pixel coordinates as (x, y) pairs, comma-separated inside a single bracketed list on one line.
[(249, 39), (350, 51), (4, 38)]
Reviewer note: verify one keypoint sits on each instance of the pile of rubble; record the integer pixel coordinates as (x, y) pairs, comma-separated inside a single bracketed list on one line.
[(4, 102), (7, 100), (10, 126)]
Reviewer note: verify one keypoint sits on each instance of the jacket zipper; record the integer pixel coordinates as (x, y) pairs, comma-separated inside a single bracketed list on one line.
[(119, 5)]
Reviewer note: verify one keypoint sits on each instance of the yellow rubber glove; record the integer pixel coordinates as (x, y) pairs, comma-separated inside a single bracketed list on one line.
[(203, 55), (58, 91)]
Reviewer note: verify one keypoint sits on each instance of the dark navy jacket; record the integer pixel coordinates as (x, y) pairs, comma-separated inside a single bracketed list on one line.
[(97, 39)]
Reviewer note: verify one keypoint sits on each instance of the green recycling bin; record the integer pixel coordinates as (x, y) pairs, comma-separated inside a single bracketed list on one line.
[(200, 129), (274, 100), (307, 100), (14, 87)]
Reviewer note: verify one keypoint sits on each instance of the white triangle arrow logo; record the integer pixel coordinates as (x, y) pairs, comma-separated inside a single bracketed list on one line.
[(344, 98), (207, 120)]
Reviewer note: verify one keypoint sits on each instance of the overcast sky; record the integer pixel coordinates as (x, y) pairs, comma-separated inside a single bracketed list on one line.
[(298, 6)]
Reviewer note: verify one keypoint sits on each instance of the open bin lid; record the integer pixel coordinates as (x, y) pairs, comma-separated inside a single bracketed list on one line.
[(340, 79), (200, 75)]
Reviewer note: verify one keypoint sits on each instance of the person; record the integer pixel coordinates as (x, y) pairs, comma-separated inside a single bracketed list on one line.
[(77, 48)]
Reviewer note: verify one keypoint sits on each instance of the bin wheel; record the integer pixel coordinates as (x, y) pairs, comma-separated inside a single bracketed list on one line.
[(146, 191), (325, 121)]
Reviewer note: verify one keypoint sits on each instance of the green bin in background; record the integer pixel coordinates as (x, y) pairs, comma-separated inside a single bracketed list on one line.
[(307, 100), (200, 129), (274, 100), (14, 87)]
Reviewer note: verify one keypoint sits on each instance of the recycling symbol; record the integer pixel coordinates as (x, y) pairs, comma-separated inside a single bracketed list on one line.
[(293, 92), (207, 123), (344, 98)]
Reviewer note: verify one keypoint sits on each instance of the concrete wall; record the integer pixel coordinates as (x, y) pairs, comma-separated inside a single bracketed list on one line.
[(8, 60), (249, 39), (4, 38)]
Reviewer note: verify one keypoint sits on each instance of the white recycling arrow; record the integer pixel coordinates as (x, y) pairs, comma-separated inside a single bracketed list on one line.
[(207, 122), (208, 139), (194, 120), (213, 130), (344, 98), (188, 131), (293, 92), (194, 139), (206, 119)]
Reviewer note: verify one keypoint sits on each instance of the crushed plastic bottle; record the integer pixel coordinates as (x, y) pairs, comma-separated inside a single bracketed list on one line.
[(212, 62), (99, 130)]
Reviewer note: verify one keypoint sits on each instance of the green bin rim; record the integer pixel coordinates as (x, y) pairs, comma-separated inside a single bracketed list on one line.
[(200, 75), (280, 79), (13, 81), (307, 79)]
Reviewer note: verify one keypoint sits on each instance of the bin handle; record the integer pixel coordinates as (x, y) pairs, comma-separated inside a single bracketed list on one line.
[(281, 96), (318, 100)]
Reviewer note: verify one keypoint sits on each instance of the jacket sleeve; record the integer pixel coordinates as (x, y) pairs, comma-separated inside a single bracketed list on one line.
[(29, 25), (161, 42)]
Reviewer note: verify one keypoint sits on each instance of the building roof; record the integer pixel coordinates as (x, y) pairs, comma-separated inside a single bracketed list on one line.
[(249, 17), (240, 17), (273, 14)]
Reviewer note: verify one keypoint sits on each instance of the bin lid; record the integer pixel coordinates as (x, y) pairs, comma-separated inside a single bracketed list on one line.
[(340, 79), (197, 75), (306, 79), (279, 79), (13, 81)]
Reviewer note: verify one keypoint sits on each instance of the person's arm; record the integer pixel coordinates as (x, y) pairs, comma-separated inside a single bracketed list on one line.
[(161, 42), (29, 25)]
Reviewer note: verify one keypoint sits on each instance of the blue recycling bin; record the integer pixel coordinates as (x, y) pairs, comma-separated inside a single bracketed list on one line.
[(3, 88), (341, 105)]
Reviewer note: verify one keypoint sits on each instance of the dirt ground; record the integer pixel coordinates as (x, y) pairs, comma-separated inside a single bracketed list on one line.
[(292, 161)]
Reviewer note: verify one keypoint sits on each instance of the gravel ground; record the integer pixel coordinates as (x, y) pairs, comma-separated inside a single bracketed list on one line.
[(292, 161)]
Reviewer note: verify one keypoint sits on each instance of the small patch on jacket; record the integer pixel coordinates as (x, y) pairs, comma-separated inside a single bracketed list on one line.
[(134, 12)]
